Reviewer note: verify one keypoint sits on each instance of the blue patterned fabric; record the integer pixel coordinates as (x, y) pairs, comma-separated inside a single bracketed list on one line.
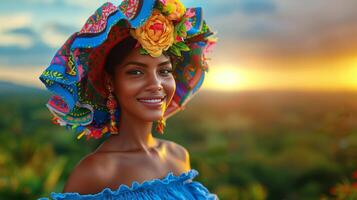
[(170, 187)]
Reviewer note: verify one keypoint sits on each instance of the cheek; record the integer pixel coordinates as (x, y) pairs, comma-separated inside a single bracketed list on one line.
[(170, 88), (126, 91)]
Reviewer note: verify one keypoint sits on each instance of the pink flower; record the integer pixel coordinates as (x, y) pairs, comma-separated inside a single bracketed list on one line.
[(209, 46), (188, 25), (163, 2), (190, 13)]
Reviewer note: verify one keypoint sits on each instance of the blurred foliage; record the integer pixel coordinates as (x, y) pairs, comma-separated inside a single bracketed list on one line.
[(249, 145), (345, 190)]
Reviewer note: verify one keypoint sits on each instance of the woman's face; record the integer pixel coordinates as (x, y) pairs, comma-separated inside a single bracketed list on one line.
[(144, 85)]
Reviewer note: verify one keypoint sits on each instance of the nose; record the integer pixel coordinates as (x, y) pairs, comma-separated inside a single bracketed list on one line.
[(154, 83)]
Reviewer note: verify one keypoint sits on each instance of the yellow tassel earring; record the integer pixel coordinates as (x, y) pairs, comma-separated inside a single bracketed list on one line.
[(161, 123)]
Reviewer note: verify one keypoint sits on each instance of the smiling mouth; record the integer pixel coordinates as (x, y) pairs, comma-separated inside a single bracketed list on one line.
[(154, 101)]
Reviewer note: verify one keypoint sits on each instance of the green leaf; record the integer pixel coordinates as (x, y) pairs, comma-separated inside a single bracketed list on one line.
[(143, 51), (180, 28), (160, 6), (174, 50), (182, 46)]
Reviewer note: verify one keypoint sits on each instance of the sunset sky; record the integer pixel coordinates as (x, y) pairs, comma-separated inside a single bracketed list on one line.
[(263, 44)]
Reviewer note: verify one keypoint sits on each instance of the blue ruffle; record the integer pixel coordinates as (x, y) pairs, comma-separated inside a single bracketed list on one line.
[(169, 187), (94, 41)]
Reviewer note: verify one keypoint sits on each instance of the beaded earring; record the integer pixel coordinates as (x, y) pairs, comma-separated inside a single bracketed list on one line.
[(112, 105), (161, 123), (160, 126)]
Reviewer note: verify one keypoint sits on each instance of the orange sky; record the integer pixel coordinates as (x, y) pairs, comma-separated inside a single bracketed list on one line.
[(318, 74)]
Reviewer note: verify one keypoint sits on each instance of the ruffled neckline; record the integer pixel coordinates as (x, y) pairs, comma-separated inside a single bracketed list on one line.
[(169, 178)]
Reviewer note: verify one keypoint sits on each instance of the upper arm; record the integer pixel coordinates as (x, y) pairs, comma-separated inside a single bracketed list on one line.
[(84, 179)]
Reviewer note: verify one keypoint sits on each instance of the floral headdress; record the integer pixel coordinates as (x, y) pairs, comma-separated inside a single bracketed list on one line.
[(76, 73), (166, 29)]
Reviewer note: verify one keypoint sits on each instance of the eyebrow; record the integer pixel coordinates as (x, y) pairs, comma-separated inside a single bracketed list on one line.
[(144, 65)]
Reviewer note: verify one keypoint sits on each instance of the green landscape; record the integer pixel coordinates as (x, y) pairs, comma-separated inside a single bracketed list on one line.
[(253, 145)]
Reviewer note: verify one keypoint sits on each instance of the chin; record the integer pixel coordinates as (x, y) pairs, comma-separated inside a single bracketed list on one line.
[(151, 116)]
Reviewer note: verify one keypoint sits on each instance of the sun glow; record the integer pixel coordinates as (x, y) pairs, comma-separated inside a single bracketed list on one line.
[(352, 73), (227, 78)]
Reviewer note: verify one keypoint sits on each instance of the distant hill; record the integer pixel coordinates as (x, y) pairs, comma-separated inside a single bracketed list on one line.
[(7, 88)]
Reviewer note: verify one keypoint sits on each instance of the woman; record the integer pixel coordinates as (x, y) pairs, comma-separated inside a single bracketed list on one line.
[(128, 67)]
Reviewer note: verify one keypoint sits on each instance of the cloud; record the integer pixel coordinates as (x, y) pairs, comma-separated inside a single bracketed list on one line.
[(55, 34), (48, 2), (40, 1), (87, 4), (77, 3), (22, 31), (37, 54), (8, 34), (254, 7), (289, 29), (12, 21), (305, 28), (21, 44), (15, 40)]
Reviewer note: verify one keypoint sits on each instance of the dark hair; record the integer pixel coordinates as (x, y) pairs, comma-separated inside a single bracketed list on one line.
[(118, 53)]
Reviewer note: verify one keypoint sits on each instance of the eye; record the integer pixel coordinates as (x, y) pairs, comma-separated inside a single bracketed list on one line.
[(134, 72), (166, 71)]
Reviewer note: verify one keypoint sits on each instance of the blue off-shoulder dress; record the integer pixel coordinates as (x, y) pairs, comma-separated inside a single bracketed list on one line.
[(170, 187)]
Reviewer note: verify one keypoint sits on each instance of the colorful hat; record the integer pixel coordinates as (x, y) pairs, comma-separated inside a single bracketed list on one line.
[(76, 73)]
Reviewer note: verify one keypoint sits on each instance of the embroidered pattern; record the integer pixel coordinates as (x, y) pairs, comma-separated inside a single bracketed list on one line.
[(98, 21), (130, 8)]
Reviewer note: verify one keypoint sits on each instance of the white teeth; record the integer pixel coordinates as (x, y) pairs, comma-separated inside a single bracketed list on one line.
[(151, 100)]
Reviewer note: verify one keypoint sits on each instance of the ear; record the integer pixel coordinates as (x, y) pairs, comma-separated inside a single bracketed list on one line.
[(109, 81)]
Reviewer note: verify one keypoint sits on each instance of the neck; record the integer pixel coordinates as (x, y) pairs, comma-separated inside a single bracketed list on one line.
[(134, 136)]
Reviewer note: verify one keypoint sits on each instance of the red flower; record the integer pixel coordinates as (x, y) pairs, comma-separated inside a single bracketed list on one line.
[(354, 185), (354, 175)]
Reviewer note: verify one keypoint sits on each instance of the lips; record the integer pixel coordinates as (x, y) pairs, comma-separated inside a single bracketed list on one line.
[(153, 101)]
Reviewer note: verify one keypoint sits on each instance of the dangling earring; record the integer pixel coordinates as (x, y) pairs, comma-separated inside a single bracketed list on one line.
[(161, 123), (112, 105), (161, 126)]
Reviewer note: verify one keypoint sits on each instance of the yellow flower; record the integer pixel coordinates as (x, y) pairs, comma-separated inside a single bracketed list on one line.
[(156, 35), (175, 9)]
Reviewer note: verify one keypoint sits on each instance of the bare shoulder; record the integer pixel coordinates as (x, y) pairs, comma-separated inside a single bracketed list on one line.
[(178, 151), (86, 177)]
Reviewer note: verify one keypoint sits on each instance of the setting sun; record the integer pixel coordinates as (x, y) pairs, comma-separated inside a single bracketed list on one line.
[(224, 78), (317, 74), (352, 73)]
